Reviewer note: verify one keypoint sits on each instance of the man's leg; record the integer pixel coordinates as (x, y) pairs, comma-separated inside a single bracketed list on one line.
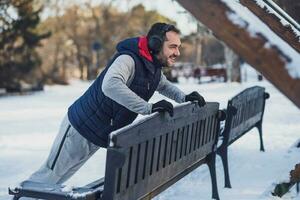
[(68, 153)]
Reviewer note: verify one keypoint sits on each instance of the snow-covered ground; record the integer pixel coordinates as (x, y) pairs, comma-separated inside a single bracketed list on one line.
[(28, 125)]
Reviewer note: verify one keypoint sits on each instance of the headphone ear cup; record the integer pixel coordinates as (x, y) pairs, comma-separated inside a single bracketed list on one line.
[(155, 44)]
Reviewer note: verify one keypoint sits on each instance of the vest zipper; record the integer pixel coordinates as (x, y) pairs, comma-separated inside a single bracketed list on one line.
[(111, 122), (148, 86)]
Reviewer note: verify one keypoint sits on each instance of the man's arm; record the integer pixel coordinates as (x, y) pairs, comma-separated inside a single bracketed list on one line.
[(169, 90), (115, 85)]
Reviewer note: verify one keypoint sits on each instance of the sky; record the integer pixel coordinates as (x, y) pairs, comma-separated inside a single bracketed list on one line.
[(174, 11), (168, 8)]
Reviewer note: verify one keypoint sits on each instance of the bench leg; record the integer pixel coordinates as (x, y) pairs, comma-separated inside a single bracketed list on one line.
[(211, 162), (224, 157), (259, 127), (15, 193), (16, 198)]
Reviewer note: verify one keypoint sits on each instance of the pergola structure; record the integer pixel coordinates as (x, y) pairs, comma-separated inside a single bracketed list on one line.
[(269, 60), (272, 61)]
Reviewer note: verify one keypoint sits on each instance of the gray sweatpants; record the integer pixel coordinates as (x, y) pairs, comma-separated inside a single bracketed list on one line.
[(68, 153)]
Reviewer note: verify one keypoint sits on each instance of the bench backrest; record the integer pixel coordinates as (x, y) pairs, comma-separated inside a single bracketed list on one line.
[(149, 156), (244, 111)]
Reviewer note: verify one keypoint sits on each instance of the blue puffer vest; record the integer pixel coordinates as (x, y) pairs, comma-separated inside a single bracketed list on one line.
[(95, 115)]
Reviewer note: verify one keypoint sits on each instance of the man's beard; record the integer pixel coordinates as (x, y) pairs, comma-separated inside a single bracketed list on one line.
[(164, 60)]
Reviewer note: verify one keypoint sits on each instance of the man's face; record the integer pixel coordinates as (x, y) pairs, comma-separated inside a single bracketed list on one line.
[(170, 49)]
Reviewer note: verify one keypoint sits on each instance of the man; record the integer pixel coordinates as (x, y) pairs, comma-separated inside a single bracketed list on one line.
[(114, 100)]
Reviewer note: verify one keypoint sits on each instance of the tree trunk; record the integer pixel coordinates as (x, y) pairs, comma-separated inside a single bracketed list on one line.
[(233, 65)]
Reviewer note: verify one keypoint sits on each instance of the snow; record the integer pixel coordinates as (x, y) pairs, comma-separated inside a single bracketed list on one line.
[(67, 188), (28, 125), (244, 18), (139, 120)]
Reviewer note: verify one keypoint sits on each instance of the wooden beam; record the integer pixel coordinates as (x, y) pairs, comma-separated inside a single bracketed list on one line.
[(273, 22), (271, 62), (295, 174)]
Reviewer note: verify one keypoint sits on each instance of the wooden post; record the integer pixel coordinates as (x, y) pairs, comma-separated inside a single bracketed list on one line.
[(271, 62)]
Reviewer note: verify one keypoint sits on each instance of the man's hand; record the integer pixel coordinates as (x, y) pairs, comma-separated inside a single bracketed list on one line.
[(163, 106), (195, 96)]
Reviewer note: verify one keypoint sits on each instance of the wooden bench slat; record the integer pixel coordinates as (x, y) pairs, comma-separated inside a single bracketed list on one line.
[(202, 129), (212, 128), (156, 143), (211, 136), (179, 143), (133, 163), (149, 158), (174, 146), (196, 135), (162, 152), (170, 147), (185, 140), (143, 161), (206, 131), (124, 172), (191, 140), (167, 149), (200, 125)]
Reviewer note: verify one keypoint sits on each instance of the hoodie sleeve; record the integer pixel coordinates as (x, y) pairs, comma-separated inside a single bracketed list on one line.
[(169, 90), (115, 85)]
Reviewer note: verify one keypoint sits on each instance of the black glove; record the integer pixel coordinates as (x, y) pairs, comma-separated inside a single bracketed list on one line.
[(163, 106), (195, 96)]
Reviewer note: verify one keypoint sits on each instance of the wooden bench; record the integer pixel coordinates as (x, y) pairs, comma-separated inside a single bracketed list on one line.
[(214, 74), (244, 112), (145, 158), (2, 91)]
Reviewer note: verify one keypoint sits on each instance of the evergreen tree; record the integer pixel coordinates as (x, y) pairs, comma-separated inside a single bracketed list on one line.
[(18, 41)]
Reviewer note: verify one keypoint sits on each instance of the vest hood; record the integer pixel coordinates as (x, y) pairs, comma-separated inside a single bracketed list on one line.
[(139, 46)]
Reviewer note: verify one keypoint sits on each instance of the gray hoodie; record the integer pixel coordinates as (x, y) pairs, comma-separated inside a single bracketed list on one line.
[(119, 77)]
